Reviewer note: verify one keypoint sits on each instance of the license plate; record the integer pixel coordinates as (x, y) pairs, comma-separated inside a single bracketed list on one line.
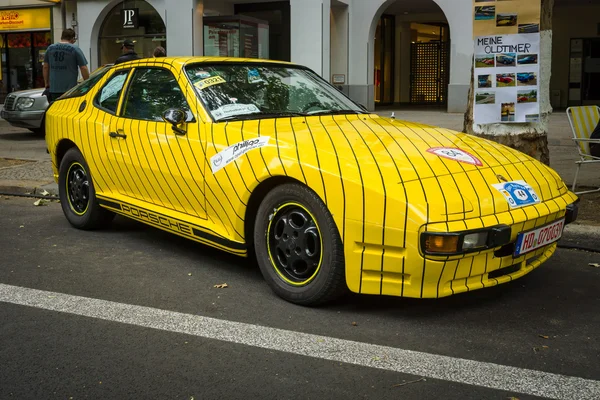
[(540, 237)]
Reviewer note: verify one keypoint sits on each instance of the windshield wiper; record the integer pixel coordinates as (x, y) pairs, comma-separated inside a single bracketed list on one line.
[(262, 114), (334, 112)]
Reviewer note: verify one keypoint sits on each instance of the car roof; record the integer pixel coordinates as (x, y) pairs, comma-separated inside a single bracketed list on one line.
[(182, 61)]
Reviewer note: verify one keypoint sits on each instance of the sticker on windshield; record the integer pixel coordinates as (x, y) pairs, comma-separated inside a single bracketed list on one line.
[(455, 154), (229, 110), (254, 76), (204, 83), (235, 151), (203, 74)]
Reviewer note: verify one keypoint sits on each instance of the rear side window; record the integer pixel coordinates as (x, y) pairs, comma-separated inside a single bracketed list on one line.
[(108, 96)]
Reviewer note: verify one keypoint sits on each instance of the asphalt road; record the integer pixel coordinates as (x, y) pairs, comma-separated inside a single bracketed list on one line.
[(148, 323)]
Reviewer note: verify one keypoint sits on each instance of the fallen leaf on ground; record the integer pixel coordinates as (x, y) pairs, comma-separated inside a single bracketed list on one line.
[(595, 265), (354, 324), (45, 193), (376, 358), (22, 226), (409, 382), (543, 336), (221, 286), (40, 202), (190, 274)]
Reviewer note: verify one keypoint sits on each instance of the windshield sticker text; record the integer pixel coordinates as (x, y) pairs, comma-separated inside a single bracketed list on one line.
[(204, 83), (229, 110)]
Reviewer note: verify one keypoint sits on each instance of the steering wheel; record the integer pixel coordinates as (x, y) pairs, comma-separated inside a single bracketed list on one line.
[(311, 105)]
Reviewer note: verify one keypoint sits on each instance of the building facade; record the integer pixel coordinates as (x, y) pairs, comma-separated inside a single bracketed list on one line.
[(379, 52), (27, 28)]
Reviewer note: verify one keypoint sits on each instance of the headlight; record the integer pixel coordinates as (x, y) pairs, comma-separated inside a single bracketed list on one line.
[(452, 243), (25, 103)]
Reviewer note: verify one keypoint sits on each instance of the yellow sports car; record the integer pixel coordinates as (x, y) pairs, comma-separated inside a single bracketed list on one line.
[(266, 159)]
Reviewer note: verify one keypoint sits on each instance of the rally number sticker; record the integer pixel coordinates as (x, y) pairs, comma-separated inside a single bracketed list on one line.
[(233, 152), (455, 154), (213, 80), (517, 193)]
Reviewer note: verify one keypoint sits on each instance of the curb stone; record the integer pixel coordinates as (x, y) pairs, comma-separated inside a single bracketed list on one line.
[(51, 188)]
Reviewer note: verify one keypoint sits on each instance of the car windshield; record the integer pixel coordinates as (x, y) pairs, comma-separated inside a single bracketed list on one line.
[(239, 91)]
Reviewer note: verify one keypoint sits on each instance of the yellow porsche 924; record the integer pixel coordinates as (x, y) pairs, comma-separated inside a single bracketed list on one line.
[(266, 159)]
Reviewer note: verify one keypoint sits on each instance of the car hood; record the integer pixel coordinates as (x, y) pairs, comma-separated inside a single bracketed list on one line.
[(29, 92), (449, 175)]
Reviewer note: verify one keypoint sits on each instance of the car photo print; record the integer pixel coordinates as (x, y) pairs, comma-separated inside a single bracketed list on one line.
[(267, 160)]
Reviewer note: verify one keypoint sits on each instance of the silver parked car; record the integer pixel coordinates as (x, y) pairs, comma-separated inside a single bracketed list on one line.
[(26, 109)]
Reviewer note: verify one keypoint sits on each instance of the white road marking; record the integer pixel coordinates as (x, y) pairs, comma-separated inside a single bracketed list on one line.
[(489, 375)]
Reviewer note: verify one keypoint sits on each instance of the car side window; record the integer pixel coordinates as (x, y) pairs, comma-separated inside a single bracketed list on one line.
[(151, 92), (108, 96)]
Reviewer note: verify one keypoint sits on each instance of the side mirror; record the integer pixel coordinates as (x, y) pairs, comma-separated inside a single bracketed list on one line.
[(175, 117)]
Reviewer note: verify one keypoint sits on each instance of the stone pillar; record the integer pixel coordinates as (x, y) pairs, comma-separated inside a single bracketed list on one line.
[(310, 33), (339, 42), (184, 27)]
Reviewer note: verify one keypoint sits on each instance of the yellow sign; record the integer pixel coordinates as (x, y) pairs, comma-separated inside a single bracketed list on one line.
[(23, 19), (213, 80)]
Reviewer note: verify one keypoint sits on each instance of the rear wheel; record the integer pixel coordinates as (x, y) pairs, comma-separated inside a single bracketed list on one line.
[(298, 247), (77, 195)]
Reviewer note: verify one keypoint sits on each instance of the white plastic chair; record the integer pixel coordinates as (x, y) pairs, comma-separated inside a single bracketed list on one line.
[(583, 121)]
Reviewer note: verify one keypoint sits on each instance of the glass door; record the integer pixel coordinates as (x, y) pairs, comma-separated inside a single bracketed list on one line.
[(384, 60)]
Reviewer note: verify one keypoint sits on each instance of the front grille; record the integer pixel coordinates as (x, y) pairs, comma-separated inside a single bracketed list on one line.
[(9, 103)]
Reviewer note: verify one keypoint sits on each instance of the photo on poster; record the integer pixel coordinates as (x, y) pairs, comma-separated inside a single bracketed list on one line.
[(526, 79), (506, 59), (506, 20), (527, 59), (529, 28), (484, 61), (484, 13), (532, 118), (485, 98), (505, 80), (484, 81), (508, 112), (527, 96)]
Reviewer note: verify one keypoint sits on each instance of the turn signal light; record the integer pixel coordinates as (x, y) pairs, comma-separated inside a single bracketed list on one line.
[(441, 243)]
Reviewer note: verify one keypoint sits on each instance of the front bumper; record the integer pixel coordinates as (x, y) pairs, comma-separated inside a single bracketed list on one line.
[(405, 271), (24, 119)]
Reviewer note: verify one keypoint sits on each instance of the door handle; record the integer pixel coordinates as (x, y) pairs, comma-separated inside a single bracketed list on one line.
[(115, 135)]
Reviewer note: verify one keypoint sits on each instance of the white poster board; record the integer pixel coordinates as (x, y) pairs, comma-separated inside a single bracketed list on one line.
[(506, 78)]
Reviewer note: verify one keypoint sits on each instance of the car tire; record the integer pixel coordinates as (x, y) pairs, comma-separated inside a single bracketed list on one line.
[(77, 194), (298, 246)]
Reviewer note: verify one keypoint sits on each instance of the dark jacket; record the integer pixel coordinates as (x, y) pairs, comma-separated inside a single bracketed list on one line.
[(127, 57)]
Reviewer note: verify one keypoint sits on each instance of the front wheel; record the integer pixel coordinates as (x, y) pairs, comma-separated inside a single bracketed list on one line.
[(298, 246), (77, 195)]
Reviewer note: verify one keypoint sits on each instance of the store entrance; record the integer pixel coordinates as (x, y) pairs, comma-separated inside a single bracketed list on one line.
[(22, 55)]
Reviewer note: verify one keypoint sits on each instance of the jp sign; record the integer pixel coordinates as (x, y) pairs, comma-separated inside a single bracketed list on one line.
[(129, 16)]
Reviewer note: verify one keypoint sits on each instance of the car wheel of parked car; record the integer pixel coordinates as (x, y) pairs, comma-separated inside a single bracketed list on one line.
[(77, 195), (298, 246)]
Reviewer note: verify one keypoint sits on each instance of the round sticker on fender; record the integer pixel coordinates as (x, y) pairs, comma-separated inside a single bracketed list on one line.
[(455, 154)]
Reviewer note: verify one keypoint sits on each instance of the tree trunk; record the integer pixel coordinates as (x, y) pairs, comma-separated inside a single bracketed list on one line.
[(529, 138)]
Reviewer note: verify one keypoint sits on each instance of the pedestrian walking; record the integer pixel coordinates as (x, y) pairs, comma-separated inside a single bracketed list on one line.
[(128, 52), (160, 52), (62, 63)]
